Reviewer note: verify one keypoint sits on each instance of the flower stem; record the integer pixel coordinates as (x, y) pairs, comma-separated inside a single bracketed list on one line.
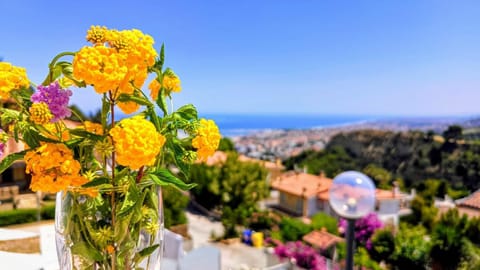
[(112, 198), (140, 174)]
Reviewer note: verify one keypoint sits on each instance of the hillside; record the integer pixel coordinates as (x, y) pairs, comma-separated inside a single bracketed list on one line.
[(412, 156)]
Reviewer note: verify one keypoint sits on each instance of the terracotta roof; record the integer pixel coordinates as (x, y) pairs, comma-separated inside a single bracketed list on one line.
[(380, 194), (217, 158), (302, 184), (321, 239), (383, 194), (471, 201)]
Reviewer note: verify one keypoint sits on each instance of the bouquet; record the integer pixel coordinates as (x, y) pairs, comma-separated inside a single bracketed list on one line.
[(107, 172)]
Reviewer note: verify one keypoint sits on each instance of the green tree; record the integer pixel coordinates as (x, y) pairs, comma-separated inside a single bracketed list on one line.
[(448, 239), (383, 245), (423, 213), (330, 161), (379, 175), (412, 248), (453, 133), (175, 203), (234, 187), (362, 258), (226, 145)]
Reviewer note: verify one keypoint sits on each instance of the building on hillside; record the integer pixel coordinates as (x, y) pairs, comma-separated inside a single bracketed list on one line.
[(469, 205), (298, 193), (303, 194), (324, 242)]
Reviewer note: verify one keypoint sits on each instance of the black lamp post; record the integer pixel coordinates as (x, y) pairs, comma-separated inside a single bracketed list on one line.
[(352, 196)]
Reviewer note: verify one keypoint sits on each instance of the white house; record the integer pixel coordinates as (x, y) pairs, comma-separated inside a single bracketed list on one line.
[(306, 194)]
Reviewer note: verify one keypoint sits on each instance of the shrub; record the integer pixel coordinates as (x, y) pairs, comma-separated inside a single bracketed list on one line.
[(48, 211), (322, 220), (174, 206), (304, 256), (365, 227), (18, 216), (292, 229)]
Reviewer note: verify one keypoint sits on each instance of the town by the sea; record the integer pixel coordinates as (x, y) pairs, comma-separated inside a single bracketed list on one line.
[(232, 125), (274, 136)]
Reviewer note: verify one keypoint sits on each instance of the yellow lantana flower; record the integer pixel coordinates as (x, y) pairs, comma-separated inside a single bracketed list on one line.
[(101, 67), (93, 127), (11, 77), (207, 139), (128, 107), (137, 142), (118, 61), (170, 82), (53, 168), (40, 113)]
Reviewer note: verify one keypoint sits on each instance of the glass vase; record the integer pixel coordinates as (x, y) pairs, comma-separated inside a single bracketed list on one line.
[(106, 228)]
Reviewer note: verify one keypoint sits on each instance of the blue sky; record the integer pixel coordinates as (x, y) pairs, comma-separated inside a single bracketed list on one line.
[(409, 57)]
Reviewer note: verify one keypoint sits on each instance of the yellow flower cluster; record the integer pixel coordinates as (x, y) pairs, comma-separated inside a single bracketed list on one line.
[(93, 127), (170, 82), (11, 77), (137, 143), (207, 139), (40, 113), (101, 67), (117, 62), (53, 168), (128, 107), (56, 132)]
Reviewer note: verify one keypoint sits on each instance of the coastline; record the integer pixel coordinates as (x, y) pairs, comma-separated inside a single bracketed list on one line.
[(273, 144)]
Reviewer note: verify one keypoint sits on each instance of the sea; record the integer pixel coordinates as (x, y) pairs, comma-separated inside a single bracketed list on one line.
[(232, 125)]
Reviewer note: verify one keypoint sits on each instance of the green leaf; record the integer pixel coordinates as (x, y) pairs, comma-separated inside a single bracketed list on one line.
[(97, 182), (136, 99), (8, 160), (128, 203), (162, 101), (31, 138), (85, 134), (121, 229), (74, 142), (145, 252), (167, 177), (105, 110), (8, 115), (187, 112), (137, 211), (178, 153), (85, 250), (157, 180), (161, 60)]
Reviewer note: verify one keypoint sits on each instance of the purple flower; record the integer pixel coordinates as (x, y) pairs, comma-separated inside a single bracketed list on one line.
[(303, 255), (2, 149), (364, 229), (56, 99), (3, 140)]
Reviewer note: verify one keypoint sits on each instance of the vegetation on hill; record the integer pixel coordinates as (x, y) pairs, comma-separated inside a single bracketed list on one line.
[(407, 157)]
